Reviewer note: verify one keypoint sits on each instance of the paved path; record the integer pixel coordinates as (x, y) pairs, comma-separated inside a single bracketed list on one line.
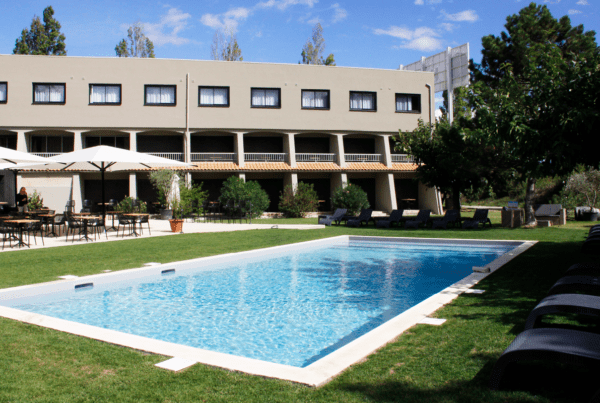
[(158, 228)]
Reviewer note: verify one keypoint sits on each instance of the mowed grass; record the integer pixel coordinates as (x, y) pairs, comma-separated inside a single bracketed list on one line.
[(449, 363)]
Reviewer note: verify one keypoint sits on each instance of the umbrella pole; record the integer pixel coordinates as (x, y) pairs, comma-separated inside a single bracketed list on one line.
[(103, 205)]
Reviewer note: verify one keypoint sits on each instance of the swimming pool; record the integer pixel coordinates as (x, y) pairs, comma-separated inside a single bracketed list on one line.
[(290, 306)]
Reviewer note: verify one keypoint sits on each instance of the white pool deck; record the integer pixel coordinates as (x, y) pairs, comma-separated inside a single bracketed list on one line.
[(157, 228), (316, 374)]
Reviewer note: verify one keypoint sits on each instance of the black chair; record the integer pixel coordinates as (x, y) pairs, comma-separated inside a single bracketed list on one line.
[(34, 229), (135, 203), (70, 206), (97, 226), (395, 217), (336, 217), (8, 233), (60, 221), (87, 205), (451, 217), (420, 219), (364, 217), (479, 217), (72, 225), (124, 222), (144, 219), (112, 204)]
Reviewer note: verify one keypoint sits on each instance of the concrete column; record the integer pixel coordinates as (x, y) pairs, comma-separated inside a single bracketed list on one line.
[(133, 141), (77, 141), (429, 198), (382, 146), (76, 192), (188, 179), (239, 148), (187, 146), (290, 179), (385, 199), (289, 146), (22, 141), (336, 145), (242, 176), (337, 179), (133, 186)]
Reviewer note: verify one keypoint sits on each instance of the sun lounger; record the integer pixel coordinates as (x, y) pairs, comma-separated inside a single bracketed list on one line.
[(584, 269), (479, 217), (451, 217), (564, 303), (573, 284), (395, 217), (550, 344), (421, 218), (364, 217), (336, 217)]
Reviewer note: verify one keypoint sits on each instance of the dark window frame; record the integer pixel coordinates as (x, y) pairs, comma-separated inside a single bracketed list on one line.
[(64, 101), (62, 142), (278, 106), (200, 87), (106, 103), (401, 94), (325, 108), (6, 84), (146, 86), (114, 137), (374, 93)]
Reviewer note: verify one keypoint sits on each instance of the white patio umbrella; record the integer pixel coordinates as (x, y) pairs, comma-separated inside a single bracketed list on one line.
[(13, 157), (105, 158), (174, 195)]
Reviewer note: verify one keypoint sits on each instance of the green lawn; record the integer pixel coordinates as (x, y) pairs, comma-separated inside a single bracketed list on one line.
[(449, 363)]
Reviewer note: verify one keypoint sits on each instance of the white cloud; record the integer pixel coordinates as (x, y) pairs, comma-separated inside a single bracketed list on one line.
[(583, 3), (339, 13), (423, 38), (446, 26), (173, 23), (226, 21), (422, 2), (573, 12), (424, 44), (467, 15), (314, 21), (552, 1), (283, 4)]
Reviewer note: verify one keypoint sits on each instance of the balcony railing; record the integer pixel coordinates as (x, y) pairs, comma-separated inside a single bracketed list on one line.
[(306, 157), (213, 157), (265, 157), (403, 158), (46, 155), (171, 156), (362, 157)]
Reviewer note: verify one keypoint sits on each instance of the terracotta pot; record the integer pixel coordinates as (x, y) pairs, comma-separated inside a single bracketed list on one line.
[(176, 225)]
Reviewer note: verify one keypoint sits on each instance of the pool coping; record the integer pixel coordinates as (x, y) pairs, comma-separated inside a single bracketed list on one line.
[(315, 374)]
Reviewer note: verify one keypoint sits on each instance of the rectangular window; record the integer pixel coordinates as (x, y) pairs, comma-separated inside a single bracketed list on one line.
[(408, 103), (105, 94), (48, 93), (213, 96), (113, 141), (52, 144), (315, 99), (160, 94), (3, 92), (363, 101), (266, 97)]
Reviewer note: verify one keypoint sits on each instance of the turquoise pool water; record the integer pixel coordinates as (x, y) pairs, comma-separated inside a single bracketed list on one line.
[(290, 309)]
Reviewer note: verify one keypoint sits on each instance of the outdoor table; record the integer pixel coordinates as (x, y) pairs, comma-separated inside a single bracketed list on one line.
[(408, 202), (85, 220), (81, 214), (49, 216), (21, 223), (113, 214), (134, 216)]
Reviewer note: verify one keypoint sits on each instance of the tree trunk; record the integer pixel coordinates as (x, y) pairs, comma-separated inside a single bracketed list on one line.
[(455, 199), (529, 214)]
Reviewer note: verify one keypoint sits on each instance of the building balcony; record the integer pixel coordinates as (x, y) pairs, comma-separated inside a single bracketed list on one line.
[(265, 157), (46, 155), (405, 158), (171, 156), (213, 157), (312, 157), (362, 157)]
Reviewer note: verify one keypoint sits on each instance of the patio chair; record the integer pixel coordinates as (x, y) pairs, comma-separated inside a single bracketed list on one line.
[(451, 217), (395, 217), (364, 217), (564, 303), (124, 222), (549, 344), (70, 206), (479, 217), (7, 231), (573, 284), (420, 219), (34, 228), (60, 221), (112, 204), (584, 269), (97, 226), (144, 219), (72, 225), (336, 217)]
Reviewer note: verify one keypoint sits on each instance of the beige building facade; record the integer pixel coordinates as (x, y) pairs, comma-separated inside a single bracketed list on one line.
[(277, 124)]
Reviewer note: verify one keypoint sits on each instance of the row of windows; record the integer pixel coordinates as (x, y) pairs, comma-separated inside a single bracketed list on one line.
[(166, 95)]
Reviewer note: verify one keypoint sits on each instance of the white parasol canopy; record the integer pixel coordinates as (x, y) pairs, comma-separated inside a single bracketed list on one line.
[(13, 157)]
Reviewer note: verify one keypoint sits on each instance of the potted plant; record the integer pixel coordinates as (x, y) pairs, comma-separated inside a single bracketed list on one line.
[(178, 213), (583, 186), (163, 180), (35, 201)]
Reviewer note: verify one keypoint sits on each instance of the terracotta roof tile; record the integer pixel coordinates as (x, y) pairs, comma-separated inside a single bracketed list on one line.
[(404, 166), (318, 166)]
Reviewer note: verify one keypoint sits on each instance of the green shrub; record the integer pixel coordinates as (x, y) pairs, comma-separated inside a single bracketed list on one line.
[(187, 197), (162, 180), (235, 190), (583, 188), (35, 201), (351, 197), (297, 204), (126, 206)]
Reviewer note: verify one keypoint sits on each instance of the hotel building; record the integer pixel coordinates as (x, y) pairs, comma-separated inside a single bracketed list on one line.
[(277, 124)]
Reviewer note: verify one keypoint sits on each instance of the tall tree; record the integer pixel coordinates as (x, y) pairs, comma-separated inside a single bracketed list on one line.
[(137, 44), (313, 50), (523, 94), (461, 104), (42, 39), (225, 47)]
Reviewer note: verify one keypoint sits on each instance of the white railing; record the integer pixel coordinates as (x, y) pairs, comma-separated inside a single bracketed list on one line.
[(306, 157), (212, 157), (402, 158), (362, 157), (46, 155), (171, 156), (265, 157)]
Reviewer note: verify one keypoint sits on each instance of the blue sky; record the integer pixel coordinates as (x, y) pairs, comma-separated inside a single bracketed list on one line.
[(377, 34)]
